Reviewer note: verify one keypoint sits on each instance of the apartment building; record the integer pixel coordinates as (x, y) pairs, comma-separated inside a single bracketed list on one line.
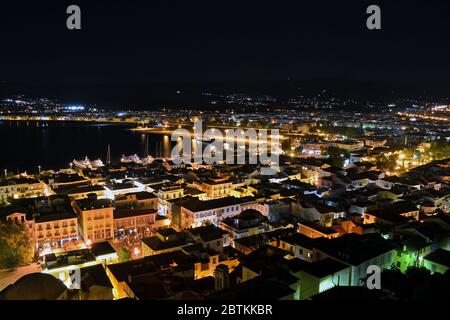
[(140, 222), (195, 213), (50, 222), (95, 219), (137, 200), (216, 187), (165, 192), (18, 188)]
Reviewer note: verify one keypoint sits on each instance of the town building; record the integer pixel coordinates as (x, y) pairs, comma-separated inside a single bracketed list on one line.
[(137, 222), (21, 187), (95, 219), (50, 222), (195, 213)]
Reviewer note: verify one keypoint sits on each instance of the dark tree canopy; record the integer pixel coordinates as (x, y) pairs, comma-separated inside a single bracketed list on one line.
[(15, 247), (337, 156)]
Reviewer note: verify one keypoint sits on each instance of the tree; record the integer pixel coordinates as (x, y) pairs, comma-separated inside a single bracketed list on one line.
[(416, 283), (124, 254), (349, 132), (244, 123), (15, 246), (286, 145), (3, 203), (337, 156), (313, 130), (439, 150), (387, 163)]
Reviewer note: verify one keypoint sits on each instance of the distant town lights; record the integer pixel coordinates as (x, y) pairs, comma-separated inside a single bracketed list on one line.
[(75, 108)]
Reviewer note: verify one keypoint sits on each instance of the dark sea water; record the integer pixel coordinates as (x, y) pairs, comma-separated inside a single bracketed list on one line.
[(53, 145)]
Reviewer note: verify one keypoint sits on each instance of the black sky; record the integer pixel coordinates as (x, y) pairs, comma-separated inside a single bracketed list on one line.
[(143, 42)]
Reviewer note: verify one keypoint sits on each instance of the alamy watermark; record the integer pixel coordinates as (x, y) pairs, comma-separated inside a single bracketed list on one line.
[(73, 21), (75, 279), (373, 277), (238, 146), (374, 20)]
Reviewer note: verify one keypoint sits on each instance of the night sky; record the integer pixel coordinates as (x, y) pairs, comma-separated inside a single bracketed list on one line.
[(144, 42)]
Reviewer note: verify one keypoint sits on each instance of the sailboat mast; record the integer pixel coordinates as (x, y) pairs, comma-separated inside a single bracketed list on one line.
[(108, 156), (146, 145)]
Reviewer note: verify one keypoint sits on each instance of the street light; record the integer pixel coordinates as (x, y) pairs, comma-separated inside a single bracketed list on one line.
[(402, 157)]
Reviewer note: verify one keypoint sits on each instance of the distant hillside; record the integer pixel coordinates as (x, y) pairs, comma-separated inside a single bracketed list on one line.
[(192, 94)]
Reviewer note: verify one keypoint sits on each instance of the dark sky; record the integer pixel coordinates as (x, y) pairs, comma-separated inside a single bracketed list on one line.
[(142, 42)]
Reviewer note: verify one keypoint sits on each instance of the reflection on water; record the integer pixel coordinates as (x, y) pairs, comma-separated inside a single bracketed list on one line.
[(166, 146), (24, 145)]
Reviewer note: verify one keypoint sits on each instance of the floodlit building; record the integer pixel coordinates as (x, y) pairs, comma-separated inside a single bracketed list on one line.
[(195, 213), (95, 218), (19, 188), (50, 222), (140, 222)]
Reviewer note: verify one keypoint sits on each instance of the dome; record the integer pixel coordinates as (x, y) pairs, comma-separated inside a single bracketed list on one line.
[(34, 286), (250, 214)]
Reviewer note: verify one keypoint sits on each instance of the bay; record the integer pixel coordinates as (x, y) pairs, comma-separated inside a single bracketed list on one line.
[(52, 145)]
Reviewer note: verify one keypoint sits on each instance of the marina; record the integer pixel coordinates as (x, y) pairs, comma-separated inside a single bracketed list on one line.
[(55, 145)]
